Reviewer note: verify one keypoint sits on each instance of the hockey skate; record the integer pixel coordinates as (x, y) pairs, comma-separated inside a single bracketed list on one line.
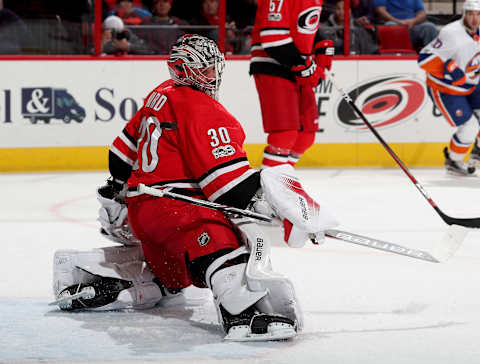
[(458, 168), (474, 159), (98, 292), (251, 325)]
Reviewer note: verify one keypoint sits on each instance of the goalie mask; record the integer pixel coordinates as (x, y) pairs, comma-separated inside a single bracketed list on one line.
[(197, 62)]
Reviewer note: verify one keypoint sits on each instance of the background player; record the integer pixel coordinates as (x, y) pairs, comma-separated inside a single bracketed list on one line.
[(184, 141), (288, 58), (452, 62)]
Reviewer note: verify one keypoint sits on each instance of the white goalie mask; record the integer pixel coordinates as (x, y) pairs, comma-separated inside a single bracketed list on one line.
[(196, 61)]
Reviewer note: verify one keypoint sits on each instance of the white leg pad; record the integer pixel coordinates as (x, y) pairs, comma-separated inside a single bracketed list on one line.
[(116, 262), (281, 298)]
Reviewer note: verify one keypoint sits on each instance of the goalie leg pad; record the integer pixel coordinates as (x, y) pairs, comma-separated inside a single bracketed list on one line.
[(260, 276), (119, 275), (253, 302)]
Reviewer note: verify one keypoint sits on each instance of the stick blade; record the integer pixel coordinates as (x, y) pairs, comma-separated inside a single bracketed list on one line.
[(448, 246)]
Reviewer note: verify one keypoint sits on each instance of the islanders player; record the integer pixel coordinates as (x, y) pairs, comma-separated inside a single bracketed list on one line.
[(452, 63)]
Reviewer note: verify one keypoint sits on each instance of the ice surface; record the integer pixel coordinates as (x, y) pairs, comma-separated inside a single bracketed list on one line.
[(361, 305)]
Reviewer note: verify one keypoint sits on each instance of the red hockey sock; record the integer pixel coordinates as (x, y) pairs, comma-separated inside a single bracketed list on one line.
[(279, 146), (303, 142)]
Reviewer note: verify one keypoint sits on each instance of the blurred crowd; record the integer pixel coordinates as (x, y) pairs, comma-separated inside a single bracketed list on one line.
[(151, 26)]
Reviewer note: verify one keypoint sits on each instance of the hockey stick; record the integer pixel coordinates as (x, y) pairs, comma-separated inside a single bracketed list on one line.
[(450, 243), (467, 222)]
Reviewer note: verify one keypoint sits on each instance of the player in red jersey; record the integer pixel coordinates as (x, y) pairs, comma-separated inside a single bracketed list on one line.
[(184, 141), (288, 59)]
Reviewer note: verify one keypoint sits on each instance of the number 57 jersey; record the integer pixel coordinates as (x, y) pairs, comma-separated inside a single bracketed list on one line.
[(181, 138)]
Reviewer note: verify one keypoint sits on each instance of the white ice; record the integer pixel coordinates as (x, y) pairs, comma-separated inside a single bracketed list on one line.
[(361, 305)]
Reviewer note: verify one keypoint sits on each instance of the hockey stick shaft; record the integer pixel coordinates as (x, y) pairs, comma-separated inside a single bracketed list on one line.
[(336, 234), (204, 203), (380, 245), (467, 222)]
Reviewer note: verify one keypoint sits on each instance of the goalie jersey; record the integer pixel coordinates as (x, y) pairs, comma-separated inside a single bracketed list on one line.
[(184, 139), (284, 31), (453, 42)]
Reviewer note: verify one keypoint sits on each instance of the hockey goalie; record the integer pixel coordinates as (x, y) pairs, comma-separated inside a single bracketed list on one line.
[(184, 141)]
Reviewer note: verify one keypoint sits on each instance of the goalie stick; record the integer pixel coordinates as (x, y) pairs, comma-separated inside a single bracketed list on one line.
[(473, 222), (444, 251)]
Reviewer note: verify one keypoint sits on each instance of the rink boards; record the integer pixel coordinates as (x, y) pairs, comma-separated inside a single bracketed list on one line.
[(62, 114)]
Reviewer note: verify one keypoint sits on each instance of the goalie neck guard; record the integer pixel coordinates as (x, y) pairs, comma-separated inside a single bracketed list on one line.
[(196, 61)]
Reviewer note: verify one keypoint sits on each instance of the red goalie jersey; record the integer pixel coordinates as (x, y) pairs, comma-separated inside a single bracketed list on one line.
[(183, 139)]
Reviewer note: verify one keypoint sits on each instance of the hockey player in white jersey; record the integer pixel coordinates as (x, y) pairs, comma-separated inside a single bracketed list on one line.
[(452, 64)]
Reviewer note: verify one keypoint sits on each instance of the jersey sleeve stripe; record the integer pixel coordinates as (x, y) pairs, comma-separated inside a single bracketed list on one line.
[(277, 43), (129, 137), (231, 184), (124, 137), (121, 155), (216, 173), (270, 31), (264, 59)]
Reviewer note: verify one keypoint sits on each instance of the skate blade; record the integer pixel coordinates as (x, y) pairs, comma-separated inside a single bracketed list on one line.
[(86, 294), (275, 333)]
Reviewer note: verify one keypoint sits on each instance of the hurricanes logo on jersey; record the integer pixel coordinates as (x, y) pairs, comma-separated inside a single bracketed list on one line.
[(309, 20), (385, 101)]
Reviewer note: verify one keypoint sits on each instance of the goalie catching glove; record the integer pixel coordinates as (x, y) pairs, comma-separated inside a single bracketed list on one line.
[(113, 213), (302, 216)]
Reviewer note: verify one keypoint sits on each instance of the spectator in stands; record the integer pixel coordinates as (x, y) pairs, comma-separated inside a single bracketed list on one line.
[(209, 16), (130, 14), (410, 13), (361, 41), (363, 12), (242, 12), (162, 39), (13, 32), (118, 40)]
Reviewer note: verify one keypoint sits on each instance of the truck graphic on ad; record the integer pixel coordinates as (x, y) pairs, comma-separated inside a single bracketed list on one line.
[(45, 103)]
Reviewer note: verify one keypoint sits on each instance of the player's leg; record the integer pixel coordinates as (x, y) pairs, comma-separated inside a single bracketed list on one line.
[(457, 112), (281, 120), (252, 301), (309, 124), (474, 100), (104, 279)]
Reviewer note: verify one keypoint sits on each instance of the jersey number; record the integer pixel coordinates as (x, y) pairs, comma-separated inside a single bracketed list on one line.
[(221, 135), (275, 6), (150, 132)]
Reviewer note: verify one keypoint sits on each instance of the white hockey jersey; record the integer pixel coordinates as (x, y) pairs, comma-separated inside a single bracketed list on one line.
[(453, 42)]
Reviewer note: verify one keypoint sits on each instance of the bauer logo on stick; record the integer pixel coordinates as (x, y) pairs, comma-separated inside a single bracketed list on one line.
[(386, 101)]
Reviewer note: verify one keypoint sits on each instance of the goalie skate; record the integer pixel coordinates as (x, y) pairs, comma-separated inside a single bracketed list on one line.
[(97, 293), (252, 326)]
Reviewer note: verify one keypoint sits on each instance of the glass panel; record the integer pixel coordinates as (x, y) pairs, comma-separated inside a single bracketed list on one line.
[(46, 27)]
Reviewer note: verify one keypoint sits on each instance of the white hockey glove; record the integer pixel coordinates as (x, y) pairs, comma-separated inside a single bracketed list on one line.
[(303, 218), (113, 214)]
